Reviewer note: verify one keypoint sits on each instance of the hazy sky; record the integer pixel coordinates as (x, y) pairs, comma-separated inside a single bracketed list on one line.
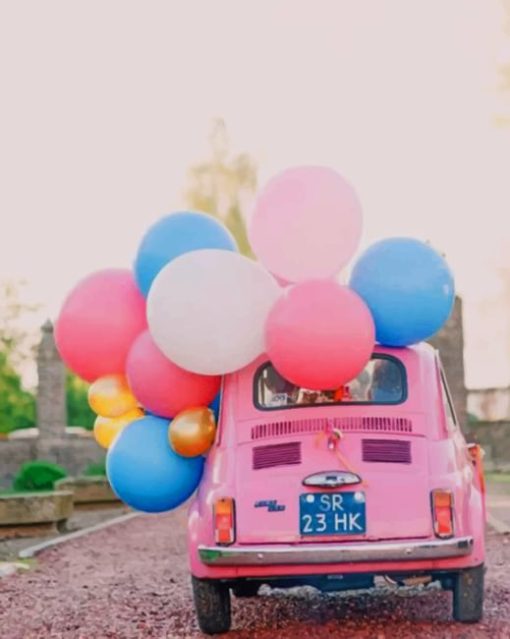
[(104, 104)]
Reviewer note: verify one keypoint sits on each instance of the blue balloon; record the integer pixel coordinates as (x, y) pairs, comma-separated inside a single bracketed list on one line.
[(146, 473), (174, 235), (215, 406), (408, 287)]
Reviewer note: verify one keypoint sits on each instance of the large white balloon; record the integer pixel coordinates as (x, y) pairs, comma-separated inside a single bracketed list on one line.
[(207, 310)]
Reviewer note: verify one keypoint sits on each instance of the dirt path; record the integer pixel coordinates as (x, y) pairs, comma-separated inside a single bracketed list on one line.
[(131, 582)]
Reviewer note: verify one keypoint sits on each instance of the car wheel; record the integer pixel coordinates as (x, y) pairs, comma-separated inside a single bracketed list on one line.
[(212, 605), (468, 595), (247, 589)]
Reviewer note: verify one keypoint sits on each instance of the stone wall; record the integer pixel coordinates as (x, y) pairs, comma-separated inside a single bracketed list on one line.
[(53, 444), (73, 453), (12, 455)]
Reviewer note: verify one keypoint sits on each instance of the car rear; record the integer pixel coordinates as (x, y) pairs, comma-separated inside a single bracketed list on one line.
[(335, 493), (333, 478)]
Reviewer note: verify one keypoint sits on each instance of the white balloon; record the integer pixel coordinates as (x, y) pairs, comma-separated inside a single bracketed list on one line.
[(207, 310)]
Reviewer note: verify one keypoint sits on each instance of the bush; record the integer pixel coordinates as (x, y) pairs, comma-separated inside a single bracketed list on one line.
[(97, 469), (38, 475)]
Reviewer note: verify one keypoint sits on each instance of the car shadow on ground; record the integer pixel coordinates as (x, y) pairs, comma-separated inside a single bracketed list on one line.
[(275, 608)]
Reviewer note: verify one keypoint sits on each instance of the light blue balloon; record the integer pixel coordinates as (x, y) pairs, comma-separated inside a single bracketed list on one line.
[(408, 287), (146, 473), (174, 235)]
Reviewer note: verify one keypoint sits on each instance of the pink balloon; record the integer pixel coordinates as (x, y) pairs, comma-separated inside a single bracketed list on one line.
[(98, 322), (306, 224), (161, 386), (320, 335)]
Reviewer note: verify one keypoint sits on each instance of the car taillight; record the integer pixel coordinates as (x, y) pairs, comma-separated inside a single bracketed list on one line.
[(442, 513), (224, 521)]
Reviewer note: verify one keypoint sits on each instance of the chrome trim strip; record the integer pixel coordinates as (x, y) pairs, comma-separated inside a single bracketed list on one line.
[(332, 479), (327, 553)]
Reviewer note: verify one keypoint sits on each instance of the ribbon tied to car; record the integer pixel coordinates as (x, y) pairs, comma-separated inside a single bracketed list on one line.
[(333, 436)]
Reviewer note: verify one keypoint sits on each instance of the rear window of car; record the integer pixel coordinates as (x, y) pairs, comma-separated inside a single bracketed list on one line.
[(383, 381)]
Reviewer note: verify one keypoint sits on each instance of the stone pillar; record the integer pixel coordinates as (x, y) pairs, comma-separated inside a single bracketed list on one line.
[(450, 343), (51, 397)]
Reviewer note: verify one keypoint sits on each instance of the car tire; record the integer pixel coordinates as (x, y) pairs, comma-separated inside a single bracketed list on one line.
[(247, 589), (468, 592), (212, 605)]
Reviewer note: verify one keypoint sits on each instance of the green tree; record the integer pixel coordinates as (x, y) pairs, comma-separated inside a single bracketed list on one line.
[(17, 347), (79, 412), (223, 183), (17, 405)]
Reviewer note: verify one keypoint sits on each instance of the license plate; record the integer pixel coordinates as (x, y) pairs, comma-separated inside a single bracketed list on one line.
[(332, 513)]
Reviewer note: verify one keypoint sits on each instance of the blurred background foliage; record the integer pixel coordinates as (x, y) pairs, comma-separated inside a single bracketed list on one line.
[(224, 184), (96, 469), (17, 348), (17, 404), (38, 475), (79, 412)]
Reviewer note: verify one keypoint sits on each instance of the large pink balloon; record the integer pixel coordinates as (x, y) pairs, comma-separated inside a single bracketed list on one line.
[(161, 386), (306, 224), (320, 335), (98, 322)]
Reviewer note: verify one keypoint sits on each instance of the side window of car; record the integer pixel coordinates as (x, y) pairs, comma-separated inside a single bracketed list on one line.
[(451, 420)]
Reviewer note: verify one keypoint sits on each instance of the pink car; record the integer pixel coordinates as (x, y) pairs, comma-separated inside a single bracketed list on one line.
[(334, 488)]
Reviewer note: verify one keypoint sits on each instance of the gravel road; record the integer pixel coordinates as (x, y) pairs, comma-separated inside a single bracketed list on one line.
[(131, 582)]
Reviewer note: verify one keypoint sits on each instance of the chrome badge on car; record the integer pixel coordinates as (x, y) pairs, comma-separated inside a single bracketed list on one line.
[(332, 479)]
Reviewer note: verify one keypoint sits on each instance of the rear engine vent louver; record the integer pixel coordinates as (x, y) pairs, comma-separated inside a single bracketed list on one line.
[(345, 424), (276, 455), (386, 451)]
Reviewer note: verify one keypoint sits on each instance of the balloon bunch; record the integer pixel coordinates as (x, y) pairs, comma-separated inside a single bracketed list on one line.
[(156, 419), (158, 340), (115, 405)]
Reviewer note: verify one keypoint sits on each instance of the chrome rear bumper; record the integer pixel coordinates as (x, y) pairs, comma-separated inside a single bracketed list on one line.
[(372, 551)]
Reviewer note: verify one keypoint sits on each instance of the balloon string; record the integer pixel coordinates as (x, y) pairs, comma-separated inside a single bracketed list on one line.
[(341, 457)]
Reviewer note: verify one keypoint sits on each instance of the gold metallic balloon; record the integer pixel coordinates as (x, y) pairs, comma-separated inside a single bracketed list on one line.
[(110, 396), (106, 429), (192, 432)]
